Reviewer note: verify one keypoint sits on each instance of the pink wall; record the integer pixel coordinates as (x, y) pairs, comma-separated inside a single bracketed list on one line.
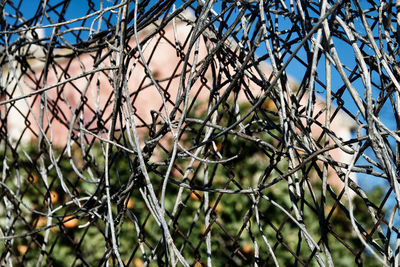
[(163, 61)]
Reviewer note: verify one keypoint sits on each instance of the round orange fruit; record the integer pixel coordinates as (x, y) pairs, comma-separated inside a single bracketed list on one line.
[(70, 222)]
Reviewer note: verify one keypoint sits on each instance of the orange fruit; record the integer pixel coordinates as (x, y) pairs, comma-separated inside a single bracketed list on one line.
[(22, 249), (219, 146), (138, 262), (53, 197), (32, 178), (129, 203), (70, 222), (40, 222), (195, 195), (218, 208), (269, 105), (247, 248), (328, 209)]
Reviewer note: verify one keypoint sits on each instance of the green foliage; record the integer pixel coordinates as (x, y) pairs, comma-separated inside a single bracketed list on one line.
[(234, 228)]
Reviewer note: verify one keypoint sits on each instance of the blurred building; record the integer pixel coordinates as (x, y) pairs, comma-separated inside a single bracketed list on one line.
[(80, 90)]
